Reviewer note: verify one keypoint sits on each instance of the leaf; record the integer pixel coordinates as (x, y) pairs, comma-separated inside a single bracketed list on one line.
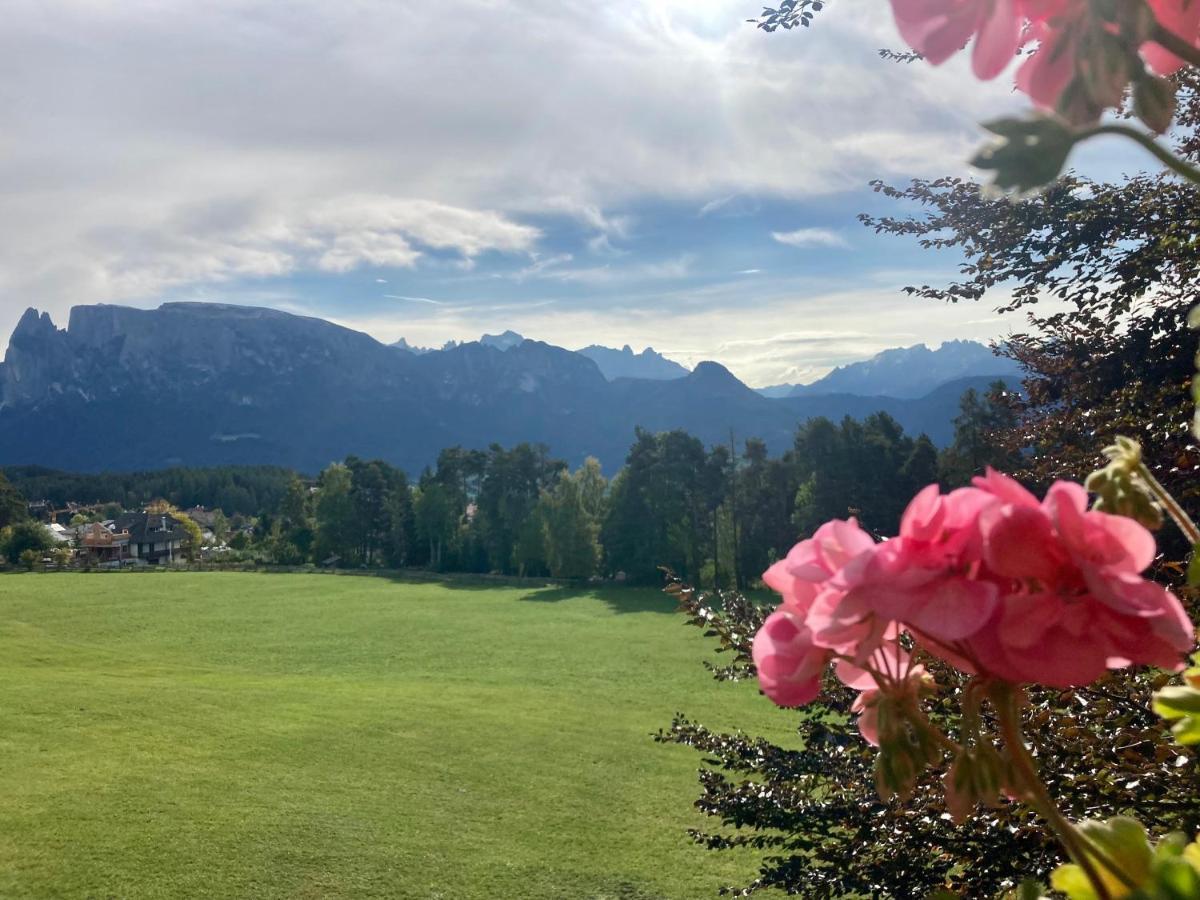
[(1180, 704), (1125, 844), (1069, 879), (1193, 570), (1029, 889), (1029, 155)]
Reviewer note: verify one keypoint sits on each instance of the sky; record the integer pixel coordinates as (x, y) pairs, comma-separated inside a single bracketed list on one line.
[(642, 172)]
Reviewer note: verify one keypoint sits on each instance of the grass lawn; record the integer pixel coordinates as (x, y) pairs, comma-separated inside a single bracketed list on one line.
[(251, 735)]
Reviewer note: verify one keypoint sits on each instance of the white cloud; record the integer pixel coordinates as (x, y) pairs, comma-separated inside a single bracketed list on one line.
[(541, 265), (428, 300), (786, 335), (349, 251), (555, 269), (810, 237), (244, 138)]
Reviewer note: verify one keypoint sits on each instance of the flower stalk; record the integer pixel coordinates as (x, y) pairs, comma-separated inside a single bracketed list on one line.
[(1082, 851), (1170, 504), (1158, 151)]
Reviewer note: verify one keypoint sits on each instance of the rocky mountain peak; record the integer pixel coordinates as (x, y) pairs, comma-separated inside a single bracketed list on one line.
[(504, 341)]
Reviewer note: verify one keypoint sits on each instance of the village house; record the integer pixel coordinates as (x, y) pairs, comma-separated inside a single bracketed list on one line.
[(100, 544), (60, 534), (154, 538)]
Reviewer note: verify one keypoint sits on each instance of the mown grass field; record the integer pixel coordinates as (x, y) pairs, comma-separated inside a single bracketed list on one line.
[(251, 735)]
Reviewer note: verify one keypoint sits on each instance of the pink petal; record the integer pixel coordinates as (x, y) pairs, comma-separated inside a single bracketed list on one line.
[(951, 609), (1180, 18), (867, 707), (840, 541), (923, 517), (1004, 488), (997, 41), (1026, 618), (1019, 542), (853, 677), (1046, 74)]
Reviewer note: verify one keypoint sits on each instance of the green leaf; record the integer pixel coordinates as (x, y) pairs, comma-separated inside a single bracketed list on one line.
[(1029, 155), (1069, 879), (1126, 842), (1179, 704), (1029, 889), (1193, 572)]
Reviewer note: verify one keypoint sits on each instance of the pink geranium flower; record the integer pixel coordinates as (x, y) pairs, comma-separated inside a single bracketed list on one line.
[(988, 578), (937, 29), (1076, 603), (923, 579), (789, 664), (807, 569)]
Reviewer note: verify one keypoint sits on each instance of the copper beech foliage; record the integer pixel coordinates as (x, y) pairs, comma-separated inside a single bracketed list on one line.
[(812, 809), (1104, 276)]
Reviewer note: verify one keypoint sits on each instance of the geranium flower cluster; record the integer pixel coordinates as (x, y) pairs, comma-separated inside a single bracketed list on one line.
[(1072, 43), (987, 578)]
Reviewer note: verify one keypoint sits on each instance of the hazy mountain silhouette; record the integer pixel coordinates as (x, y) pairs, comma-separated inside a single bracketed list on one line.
[(207, 384)]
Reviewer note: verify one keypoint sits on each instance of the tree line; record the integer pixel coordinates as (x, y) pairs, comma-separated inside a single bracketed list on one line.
[(717, 516), (237, 490)]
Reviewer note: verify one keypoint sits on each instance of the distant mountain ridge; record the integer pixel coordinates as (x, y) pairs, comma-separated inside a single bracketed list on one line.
[(624, 363), (206, 384), (613, 364), (907, 372)]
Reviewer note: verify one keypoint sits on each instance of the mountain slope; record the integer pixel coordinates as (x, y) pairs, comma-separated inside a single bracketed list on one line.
[(204, 384)]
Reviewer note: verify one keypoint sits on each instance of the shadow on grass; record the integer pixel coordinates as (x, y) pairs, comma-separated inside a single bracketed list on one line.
[(618, 599)]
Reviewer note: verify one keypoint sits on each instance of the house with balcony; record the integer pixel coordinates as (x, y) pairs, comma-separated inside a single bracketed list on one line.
[(154, 538), (100, 544)]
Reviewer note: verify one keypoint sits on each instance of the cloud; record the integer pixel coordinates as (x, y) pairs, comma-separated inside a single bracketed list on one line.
[(428, 300), (252, 151), (671, 269), (541, 265), (245, 139), (733, 206), (810, 237), (788, 334), (439, 226)]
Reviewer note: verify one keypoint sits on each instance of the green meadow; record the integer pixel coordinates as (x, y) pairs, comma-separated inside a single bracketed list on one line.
[(254, 735)]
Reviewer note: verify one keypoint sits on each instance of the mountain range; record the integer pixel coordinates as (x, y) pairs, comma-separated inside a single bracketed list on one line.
[(906, 372), (613, 364), (206, 384)]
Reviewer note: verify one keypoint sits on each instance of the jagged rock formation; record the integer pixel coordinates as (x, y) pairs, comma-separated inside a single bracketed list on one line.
[(624, 363), (505, 341)]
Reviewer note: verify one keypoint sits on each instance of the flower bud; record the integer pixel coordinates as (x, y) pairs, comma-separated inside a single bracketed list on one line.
[(1119, 491)]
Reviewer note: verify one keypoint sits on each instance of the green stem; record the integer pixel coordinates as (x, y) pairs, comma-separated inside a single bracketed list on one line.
[(1077, 846), (1161, 153), (1169, 40), (1174, 510)]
